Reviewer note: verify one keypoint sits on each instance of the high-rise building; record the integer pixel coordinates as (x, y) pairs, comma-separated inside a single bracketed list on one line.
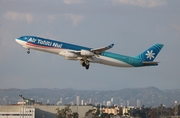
[(127, 103), (77, 100), (60, 100), (82, 102), (112, 99), (175, 108), (90, 101), (47, 101), (138, 103), (5, 100)]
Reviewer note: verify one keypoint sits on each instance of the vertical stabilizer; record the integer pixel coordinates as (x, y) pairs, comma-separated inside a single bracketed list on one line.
[(151, 53)]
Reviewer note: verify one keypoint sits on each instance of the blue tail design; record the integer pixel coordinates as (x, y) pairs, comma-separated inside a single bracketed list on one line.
[(151, 53)]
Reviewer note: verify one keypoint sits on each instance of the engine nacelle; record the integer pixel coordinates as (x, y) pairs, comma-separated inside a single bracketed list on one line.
[(86, 53), (70, 55)]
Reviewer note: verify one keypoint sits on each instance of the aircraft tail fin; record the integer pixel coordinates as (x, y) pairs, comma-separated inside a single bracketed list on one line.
[(151, 53)]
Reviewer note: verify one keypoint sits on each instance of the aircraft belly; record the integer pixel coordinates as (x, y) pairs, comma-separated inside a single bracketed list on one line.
[(113, 62), (50, 50), (95, 60)]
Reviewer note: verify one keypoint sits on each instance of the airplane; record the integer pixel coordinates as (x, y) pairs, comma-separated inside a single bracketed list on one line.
[(88, 55)]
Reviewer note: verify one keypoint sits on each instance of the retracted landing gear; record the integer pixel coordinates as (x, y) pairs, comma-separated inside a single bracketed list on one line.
[(85, 64), (28, 51)]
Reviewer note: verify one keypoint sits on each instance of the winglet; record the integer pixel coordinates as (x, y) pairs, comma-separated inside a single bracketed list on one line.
[(110, 46)]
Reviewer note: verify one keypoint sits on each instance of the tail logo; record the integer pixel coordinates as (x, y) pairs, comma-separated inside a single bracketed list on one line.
[(150, 54)]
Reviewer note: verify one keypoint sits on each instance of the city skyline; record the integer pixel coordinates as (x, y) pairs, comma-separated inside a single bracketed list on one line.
[(77, 102), (149, 96)]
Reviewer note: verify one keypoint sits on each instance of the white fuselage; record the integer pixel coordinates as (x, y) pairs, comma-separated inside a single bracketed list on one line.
[(95, 59)]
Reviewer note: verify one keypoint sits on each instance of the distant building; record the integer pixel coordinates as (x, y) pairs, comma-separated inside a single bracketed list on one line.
[(77, 100), (109, 110), (47, 101), (61, 101), (127, 103), (18, 111), (112, 100), (175, 108), (41, 111), (125, 110), (82, 102), (5, 100), (91, 101), (58, 103), (108, 103), (138, 103)]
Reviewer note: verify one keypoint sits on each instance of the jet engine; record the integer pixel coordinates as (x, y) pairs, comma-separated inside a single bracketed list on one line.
[(68, 54), (86, 53)]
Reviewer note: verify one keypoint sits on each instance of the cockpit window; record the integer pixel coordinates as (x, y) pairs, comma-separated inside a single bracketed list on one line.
[(24, 37)]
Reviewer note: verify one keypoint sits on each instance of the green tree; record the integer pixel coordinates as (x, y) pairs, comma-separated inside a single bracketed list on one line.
[(153, 113), (105, 115), (75, 115), (92, 113), (89, 114), (66, 113)]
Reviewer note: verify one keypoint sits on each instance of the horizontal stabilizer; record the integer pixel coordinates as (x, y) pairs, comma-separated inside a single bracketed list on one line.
[(149, 63)]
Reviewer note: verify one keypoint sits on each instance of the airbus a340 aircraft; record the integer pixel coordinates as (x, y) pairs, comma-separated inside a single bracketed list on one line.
[(87, 55)]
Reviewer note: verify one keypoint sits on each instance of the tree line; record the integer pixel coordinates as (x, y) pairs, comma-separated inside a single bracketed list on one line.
[(148, 112)]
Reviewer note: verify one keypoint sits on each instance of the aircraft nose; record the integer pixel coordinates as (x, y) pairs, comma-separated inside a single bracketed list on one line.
[(20, 41), (17, 40)]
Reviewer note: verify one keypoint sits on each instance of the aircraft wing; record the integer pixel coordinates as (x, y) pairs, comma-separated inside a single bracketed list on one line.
[(102, 49), (94, 51)]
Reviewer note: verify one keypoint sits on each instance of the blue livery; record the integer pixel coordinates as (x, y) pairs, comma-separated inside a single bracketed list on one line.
[(88, 55)]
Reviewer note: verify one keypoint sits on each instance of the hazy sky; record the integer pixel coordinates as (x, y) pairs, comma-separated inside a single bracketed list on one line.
[(132, 25)]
